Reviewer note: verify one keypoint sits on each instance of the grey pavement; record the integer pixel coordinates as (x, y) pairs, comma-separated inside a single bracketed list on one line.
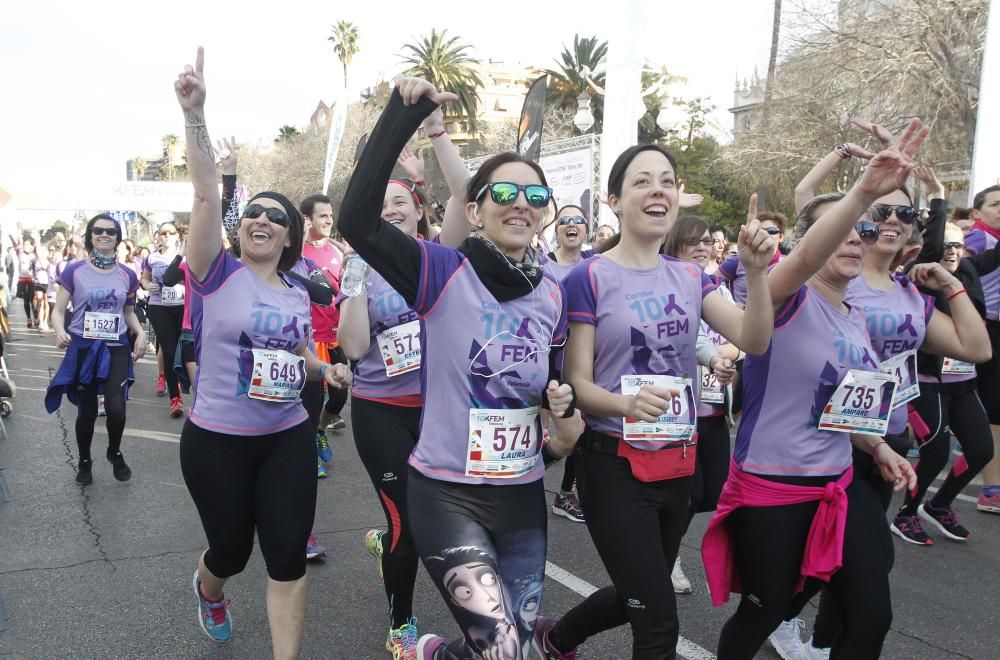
[(105, 571)]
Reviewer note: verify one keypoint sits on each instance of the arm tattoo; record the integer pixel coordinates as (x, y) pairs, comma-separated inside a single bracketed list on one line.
[(200, 133)]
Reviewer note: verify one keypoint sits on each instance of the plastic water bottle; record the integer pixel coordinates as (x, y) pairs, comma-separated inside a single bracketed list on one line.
[(352, 283)]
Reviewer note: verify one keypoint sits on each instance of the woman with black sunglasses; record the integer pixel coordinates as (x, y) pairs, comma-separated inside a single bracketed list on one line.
[(247, 449), (165, 308), (489, 319), (98, 359)]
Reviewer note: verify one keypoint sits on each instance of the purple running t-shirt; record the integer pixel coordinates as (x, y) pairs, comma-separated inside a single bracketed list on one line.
[(99, 292), (978, 241), (232, 313), (647, 323), (786, 389), (478, 353), (712, 409), (897, 322), (156, 264)]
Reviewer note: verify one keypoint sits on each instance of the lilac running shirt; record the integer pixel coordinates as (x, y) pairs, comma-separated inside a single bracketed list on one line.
[(647, 322), (560, 271), (460, 316), (386, 310), (233, 312), (978, 241), (897, 322), (785, 390), (713, 409), (157, 263), (101, 291)]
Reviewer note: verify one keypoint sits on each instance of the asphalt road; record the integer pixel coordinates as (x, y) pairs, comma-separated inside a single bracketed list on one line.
[(105, 571)]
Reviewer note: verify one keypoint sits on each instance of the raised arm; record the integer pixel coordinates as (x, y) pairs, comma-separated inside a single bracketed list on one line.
[(455, 227), (811, 183), (205, 237)]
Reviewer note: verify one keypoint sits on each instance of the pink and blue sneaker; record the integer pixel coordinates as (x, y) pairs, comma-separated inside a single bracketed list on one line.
[(213, 617), (429, 645)]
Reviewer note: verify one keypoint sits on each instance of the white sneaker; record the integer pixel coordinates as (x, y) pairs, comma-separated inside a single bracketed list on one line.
[(810, 652), (787, 640), (682, 585)]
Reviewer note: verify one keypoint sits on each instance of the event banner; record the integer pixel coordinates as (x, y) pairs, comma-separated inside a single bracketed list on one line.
[(529, 130)]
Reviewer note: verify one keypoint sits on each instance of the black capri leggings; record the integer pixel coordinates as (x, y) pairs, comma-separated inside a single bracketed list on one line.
[(711, 464), (241, 484), (114, 403), (385, 435), (26, 290), (167, 320)]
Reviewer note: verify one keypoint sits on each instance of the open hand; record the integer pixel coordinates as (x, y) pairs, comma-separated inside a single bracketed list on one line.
[(877, 131), (412, 163), (140, 347), (190, 84), (688, 200), (929, 178), (411, 89), (890, 168), (226, 151)]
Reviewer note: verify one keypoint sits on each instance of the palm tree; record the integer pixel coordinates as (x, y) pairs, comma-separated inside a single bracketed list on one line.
[(286, 132), (139, 166), (443, 61), (579, 70), (345, 43), (169, 141)]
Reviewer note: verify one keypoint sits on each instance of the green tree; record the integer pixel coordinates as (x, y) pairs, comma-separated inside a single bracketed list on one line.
[(345, 39), (286, 132), (444, 62), (168, 141), (139, 166), (585, 60)]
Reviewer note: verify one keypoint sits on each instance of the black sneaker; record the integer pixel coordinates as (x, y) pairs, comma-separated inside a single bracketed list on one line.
[(568, 506), (84, 476), (910, 530), (945, 521), (121, 471)]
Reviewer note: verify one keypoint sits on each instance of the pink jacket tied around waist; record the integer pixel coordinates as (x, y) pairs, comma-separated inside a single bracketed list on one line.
[(824, 551)]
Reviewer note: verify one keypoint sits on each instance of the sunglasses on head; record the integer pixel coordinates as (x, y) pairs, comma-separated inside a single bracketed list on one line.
[(868, 231), (168, 233), (954, 245), (104, 231), (504, 193), (906, 214), (277, 216), (571, 220), (773, 231), (694, 240)]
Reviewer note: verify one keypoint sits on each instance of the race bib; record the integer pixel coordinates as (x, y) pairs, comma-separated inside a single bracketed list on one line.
[(675, 425), (100, 325), (502, 443), (277, 375), (903, 368), (172, 295), (400, 348), (861, 404), (711, 390), (953, 367)]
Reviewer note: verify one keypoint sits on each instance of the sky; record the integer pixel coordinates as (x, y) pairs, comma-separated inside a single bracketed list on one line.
[(89, 85)]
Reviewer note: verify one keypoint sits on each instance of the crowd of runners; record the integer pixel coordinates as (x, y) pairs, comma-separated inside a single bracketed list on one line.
[(475, 356)]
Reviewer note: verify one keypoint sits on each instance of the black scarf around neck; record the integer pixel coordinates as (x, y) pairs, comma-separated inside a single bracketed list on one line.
[(505, 278)]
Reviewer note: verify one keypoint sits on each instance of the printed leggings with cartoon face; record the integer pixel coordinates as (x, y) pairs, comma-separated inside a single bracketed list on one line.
[(484, 548)]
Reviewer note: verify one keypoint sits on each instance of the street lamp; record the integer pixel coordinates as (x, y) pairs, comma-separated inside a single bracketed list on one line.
[(584, 118), (670, 118)]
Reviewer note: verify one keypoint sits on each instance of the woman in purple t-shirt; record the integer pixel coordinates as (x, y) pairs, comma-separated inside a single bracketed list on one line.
[(247, 449)]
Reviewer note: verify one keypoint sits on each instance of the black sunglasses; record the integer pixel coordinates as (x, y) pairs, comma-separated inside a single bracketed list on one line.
[(277, 216), (906, 214), (693, 241), (954, 245), (104, 231), (773, 231), (505, 192), (571, 220), (868, 231)]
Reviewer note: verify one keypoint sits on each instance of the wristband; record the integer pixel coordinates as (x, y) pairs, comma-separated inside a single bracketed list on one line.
[(322, 370), (433, 136), (843, 151), (959, 292)]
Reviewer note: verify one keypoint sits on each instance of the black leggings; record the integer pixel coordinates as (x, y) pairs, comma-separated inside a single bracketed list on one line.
[(637, 529), (26, 290), (241, 484), (167, 320), (484, 548), (769, 543), (338, 398), (569, 473), (312, 400), (711, 464), (385, 435), (956, 405), (114, 403)]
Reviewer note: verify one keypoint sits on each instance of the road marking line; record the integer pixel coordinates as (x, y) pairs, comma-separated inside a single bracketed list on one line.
[(964, 498), (685, 647)]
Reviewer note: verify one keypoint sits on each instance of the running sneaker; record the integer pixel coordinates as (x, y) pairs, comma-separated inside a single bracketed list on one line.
[(810, 652), (320, 469), (44, 326), (429, 645), (402, 641), (161, 385), (213, 617), (323, 449), (101, 411), (313, 549), (945, 520), (120, 469), (84, 475), (176, 407), (787, 639), (336, 423), (682, 585), (988, 503), (910, 530), (568, 506), (373, 541), (543, 647)]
